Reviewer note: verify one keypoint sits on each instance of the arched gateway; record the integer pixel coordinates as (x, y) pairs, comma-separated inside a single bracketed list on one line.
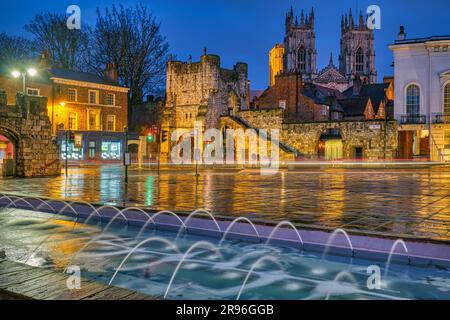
[(27, 148)]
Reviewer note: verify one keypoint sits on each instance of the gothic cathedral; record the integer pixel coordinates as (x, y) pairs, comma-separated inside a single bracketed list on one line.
[(356, 59)]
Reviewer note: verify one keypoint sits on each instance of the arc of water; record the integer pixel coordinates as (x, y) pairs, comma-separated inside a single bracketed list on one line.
[(252, 269), (194, 246), (42, 202), (119, 213), (283, 223), (145, 226), (331, 238), (236, 221), (171, 213), (391, 253), (70, 205), (198, 212), (340, 275), (94, 240), (47, 203), (20, 199), (140, 244)]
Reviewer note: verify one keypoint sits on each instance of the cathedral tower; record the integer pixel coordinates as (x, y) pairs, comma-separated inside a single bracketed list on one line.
[(300, 45), (357, 50)]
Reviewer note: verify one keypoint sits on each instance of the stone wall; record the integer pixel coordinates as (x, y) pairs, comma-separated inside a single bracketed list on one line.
[(28, 127), (370, 135)]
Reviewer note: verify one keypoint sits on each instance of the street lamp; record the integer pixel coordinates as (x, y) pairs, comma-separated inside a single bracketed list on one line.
[(31, 72)]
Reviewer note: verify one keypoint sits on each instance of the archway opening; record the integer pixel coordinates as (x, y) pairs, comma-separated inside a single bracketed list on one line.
[(330, 145), (7, 157)]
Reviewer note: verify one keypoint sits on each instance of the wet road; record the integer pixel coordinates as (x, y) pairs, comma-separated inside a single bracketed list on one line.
[(413, 202)]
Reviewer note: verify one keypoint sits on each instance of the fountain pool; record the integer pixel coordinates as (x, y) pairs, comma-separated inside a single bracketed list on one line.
[(179, 265)]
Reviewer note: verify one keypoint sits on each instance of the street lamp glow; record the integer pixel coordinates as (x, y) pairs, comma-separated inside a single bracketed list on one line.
[(62, 104), (16, 74), (32, 72)]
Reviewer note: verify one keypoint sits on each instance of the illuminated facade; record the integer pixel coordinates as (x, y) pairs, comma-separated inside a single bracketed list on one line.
[(422, 96), (276, 55), (92, 107)]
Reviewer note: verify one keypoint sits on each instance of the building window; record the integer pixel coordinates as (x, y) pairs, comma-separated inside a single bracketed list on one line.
[(324, 110), (302, 59), (71, 95), (73, 125), (33, 92), (111, 122), (359, 60), (447, 100), (413, 100), (110, 99), (93, 97), (93, 120), (110, 150), (91, 149)]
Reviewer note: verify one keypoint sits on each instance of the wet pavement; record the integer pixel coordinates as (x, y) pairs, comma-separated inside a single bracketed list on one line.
[(399, 202)]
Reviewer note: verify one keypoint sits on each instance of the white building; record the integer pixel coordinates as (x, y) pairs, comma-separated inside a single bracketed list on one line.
[(422, 96)]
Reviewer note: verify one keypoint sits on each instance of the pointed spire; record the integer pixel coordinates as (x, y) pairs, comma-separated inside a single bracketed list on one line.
[(312, 12), (296, 21), (361, 21), (302, 19), (307, 21), (350, 18), (292, 11), (311, 19), (331, 59)]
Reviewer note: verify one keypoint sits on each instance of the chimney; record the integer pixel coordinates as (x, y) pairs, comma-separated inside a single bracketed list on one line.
[(150, 98), (401, 34), (45, 61), (111, 73), (357, 84)]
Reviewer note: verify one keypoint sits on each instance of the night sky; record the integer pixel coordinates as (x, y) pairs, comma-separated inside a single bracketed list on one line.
[(245, 30)]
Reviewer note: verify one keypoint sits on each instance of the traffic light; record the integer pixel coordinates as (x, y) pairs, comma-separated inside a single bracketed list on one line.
[(150, 137), (71, 136), (164, 136)]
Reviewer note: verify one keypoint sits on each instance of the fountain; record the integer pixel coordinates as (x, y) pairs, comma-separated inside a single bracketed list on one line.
[(340, 275), (194, 246), (198, 212), (170, 245), (391, 253), (254, 266), (283, 223), (233, 223), (331, 238)]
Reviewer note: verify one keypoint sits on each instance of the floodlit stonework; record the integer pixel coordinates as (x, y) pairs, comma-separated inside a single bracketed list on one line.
[(28, 127)]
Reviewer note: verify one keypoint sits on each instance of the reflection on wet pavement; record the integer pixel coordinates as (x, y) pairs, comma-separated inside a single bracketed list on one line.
[(413, 202)]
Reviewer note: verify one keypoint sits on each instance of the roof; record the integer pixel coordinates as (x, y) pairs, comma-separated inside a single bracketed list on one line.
[(81, 76), (376, 93), (354, 107), (422, 40), (321, 94)]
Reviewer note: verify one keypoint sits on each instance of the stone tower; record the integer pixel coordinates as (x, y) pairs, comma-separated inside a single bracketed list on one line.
[(276, 55), (300, 45), (357, 50)]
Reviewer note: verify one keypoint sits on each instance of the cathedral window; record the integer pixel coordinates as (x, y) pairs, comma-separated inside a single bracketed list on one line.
[(302, 59), (359, 60), (447, 100), (413, 100)]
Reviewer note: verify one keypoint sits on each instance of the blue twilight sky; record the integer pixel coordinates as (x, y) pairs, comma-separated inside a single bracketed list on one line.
[(245, 30)]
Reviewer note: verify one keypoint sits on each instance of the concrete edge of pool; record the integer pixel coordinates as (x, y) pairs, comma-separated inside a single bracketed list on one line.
[(23, 282), (421, 252)]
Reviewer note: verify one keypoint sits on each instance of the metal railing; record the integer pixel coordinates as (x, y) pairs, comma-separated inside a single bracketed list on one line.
[(441, 118), (413, 119)]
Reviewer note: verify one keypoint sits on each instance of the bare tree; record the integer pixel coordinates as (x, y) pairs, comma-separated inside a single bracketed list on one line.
[(131, 39), (14, 51), (51, 34)]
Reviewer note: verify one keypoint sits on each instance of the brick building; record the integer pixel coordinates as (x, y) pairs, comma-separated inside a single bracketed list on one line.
[(93, 107)]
